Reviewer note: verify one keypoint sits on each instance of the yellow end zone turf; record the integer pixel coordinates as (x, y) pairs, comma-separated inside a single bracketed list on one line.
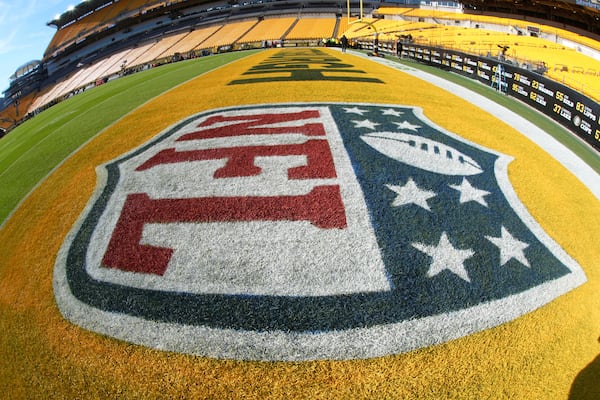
[(536, 356)]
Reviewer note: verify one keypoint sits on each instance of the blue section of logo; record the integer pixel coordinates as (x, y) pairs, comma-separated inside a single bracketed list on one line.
[(448, 241)]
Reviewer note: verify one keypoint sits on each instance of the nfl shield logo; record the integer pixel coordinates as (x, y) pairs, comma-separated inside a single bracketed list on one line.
[(306, 231)]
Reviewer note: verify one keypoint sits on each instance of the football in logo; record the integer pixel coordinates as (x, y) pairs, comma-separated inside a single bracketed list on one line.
[(306, 231), (422, 153)]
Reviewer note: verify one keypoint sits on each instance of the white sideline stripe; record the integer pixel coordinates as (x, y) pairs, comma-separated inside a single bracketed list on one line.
[(547, 142), (9, 215)]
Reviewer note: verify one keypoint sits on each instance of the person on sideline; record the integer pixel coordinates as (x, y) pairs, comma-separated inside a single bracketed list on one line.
[(344, 41)]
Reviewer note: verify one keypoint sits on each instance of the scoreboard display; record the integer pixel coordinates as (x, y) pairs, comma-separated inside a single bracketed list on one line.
[(566, 106)]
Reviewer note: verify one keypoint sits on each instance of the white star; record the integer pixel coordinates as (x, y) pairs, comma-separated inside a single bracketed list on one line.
[(445, 256), (355, 110), (407, 125), (470, 193), (411, 194), (392, 112), (365, 124), (510, 247)]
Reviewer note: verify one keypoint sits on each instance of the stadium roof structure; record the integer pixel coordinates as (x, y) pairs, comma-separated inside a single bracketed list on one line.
[(25, 69), (88, 6), (78, 11), (584, 14)]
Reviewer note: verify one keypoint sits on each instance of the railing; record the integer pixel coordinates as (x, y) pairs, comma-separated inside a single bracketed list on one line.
[(572, 109), (492, 51)]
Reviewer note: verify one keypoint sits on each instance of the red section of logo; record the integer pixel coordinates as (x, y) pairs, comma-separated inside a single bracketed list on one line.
[(240, 160), (322, 206), (257, 125)]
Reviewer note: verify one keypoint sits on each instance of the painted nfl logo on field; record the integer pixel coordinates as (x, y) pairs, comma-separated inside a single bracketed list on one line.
[(306, 231)]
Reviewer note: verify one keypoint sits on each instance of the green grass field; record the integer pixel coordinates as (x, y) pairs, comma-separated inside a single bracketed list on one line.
[(35, 148)]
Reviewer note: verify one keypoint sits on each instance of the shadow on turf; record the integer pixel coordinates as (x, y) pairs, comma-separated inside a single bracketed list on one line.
[(586, 385)]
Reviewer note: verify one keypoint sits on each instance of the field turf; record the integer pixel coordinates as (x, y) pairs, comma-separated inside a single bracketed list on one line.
[(48, 174), (32, 150)]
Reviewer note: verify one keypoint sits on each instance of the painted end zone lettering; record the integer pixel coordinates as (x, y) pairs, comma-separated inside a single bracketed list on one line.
[(304, 65)]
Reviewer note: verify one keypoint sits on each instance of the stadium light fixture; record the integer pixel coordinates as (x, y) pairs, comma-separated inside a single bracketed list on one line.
[(70, 8)]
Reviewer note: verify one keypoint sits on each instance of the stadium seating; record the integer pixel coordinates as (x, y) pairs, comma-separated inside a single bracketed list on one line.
[(313, 28), (560, 49), (475, 20), (449, 30), (12, 114), (387, 29), (234, 31), (160, 49), (194, 39), (86, 25), (269, 29)]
